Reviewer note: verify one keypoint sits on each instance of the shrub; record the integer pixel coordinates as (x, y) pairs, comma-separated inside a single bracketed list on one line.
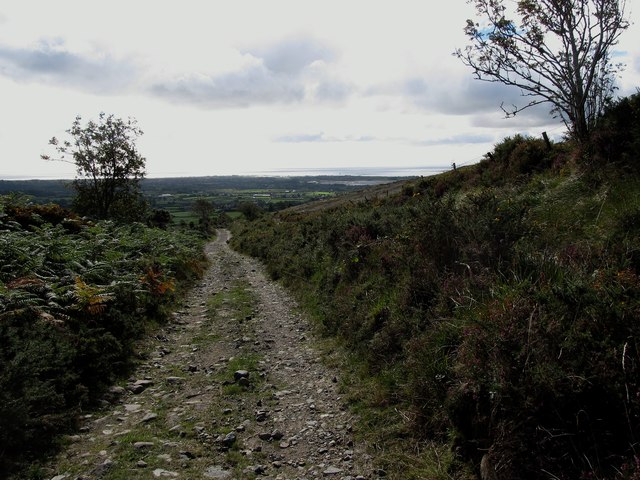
[(617, 136)]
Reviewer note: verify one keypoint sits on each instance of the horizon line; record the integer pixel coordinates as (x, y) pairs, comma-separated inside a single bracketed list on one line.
[(280, 172)]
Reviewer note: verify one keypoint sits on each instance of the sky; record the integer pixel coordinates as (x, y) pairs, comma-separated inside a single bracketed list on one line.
[(258, 86)]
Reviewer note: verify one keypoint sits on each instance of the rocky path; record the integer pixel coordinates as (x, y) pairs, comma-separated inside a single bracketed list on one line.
[(231, 388)]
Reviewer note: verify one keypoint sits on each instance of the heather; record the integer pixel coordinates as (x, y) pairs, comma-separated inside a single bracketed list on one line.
[(495, 306)]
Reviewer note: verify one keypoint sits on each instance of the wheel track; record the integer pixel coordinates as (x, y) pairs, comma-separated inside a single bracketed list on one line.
[(194, 421)]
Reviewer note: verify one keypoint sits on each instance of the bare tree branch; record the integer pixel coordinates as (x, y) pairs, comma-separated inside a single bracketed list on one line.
[(557, 51)]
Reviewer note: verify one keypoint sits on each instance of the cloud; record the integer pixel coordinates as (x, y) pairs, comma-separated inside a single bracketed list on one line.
[(333, 91), (291, 71), (533, 117), (251, 85), (292, 55), (463, 139), (300, 138), (462, 97), (321, 138), (450, 96), (51, 63)]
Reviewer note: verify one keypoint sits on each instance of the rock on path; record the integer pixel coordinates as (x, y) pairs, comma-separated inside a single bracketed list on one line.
[(194, 409)]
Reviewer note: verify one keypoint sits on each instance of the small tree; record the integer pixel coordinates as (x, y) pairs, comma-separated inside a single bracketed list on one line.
[(557, 52), (108, 165), (204, 209), (250, 210), (159, 218)]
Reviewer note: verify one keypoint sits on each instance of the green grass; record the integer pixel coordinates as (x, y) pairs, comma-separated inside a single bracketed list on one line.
[(237, 302)]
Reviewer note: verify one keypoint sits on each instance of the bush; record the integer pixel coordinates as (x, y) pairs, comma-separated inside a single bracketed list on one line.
[(617, 136)]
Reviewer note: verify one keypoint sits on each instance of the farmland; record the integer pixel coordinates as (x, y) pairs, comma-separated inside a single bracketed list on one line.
[(225, 193)]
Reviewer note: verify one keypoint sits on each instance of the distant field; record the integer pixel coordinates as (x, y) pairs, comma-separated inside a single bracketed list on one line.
[(177, 195)]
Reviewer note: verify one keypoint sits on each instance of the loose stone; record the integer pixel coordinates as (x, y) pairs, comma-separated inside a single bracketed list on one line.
[(332, 471), (261, 415), (142, 445), (149, 417), (139, 386), (159, 473), (240, 374), (229, 439), (217, 472), (175, 380), (103, 468), (116, 390)]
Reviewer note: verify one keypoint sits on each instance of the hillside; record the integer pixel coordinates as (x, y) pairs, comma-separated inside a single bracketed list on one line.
[(489, 314), (371, 193)]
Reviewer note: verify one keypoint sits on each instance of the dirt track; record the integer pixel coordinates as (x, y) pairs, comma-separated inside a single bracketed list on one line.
[(231, 388)]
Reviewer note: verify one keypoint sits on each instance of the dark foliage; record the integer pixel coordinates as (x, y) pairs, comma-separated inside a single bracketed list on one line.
[(508, 293), (618, 136), (73, 299)]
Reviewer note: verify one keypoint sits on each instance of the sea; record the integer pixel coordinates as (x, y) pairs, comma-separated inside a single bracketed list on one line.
[(355, 171), (391, 171)]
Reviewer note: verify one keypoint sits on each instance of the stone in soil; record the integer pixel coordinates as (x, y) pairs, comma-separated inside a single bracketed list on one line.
[(217, 472), (160, 472), (332, 471), (142, 445), (148, 417), (229, 439), (139, 386)]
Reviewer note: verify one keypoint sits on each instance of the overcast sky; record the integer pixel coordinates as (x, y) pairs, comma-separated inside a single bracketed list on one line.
[(232, 87)]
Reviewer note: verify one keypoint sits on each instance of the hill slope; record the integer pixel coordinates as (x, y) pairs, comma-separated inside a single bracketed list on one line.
[(495, 307)]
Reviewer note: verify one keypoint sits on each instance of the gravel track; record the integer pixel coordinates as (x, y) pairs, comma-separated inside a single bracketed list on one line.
[(228, 395)]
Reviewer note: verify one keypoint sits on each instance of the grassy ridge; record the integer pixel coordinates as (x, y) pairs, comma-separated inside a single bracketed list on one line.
[(497, 306), (73, 299)]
